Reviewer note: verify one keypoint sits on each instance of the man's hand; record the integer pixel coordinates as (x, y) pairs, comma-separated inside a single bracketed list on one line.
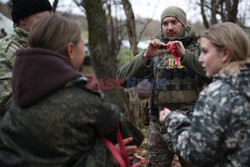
[(163, 114), (180, 47), (129, 149), (153, 49)]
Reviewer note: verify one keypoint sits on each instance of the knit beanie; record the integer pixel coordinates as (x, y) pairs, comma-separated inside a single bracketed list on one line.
[(23, 8), (176, 12)]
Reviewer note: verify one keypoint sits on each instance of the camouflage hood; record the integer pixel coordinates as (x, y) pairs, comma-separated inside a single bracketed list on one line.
[(238, 81), (37, 73)]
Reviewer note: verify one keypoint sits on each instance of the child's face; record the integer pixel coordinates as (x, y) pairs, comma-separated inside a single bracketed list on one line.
[(210, 58)]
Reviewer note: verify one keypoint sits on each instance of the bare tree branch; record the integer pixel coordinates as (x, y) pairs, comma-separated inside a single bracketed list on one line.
[(204, 17), (143, 29), (55, 3), (149, 20), (131, 27)]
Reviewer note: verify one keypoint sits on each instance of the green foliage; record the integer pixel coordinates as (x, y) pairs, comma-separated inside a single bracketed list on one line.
[(123, 57), (85, 35)]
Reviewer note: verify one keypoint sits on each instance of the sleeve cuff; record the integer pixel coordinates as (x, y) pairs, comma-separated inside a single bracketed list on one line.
[(148, 64)]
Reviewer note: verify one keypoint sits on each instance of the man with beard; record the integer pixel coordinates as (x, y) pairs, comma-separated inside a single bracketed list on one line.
[(175, 75)]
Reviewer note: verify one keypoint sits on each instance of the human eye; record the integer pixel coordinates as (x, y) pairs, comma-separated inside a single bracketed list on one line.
[(204, 51), (165, 23)]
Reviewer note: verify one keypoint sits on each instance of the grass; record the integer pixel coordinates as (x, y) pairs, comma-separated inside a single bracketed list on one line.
[(85, 35), (123, 57)]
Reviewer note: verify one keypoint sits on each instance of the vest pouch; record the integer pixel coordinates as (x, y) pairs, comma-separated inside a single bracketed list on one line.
[(167, 73), (163, 97), (175, 91), (189, 75), (179, 73), (184, 96), (143, 112)]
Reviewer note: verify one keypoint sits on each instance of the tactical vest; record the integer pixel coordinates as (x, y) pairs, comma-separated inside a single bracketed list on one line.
[(174, 83)]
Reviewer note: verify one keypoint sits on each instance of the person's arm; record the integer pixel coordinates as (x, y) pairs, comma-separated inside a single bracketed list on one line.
[(135, 68), (141, 65), (198, 142), (95, 121), (6, 65), (190, 60)]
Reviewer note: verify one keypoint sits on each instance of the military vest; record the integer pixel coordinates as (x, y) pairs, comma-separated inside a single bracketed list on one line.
[(174, 83)]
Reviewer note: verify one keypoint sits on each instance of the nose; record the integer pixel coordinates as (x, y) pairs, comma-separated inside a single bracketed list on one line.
[(201, 58), (170, 26)]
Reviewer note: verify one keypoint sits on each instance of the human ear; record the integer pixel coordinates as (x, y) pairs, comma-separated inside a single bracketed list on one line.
[(226, 55), (22, 22), (69, 52)]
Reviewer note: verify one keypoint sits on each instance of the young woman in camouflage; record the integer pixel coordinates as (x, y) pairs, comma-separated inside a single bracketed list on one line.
[(219, 133), (54, 119)]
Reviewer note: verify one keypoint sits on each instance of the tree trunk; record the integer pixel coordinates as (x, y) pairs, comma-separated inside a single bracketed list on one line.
[(233, 11), (103, 63), (203, 14), (55, 6), (114, 34), (213, 12), (131, 27)]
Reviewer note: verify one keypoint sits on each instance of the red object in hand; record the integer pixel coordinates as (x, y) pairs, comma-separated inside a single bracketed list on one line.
[(174, 51)]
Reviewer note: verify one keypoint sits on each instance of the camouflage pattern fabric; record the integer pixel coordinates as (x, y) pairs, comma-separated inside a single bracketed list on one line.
[(8, 47), (219, 133), (62, 130)]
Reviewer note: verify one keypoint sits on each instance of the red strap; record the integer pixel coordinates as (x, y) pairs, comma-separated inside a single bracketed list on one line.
[(139, 163), (122, 146), (176, 60), (175, 53), (114, 152), (123, 158)]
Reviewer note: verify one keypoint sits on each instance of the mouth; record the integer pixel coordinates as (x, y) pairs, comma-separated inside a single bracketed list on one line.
[(204, 68), (172, 34)]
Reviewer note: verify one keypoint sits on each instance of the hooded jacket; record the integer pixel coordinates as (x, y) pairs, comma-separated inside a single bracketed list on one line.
[(54, 120), (219, 134)]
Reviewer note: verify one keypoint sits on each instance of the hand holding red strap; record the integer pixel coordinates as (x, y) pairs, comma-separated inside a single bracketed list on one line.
[(114, 152), (174, 51), (122, 147), (121, 158)]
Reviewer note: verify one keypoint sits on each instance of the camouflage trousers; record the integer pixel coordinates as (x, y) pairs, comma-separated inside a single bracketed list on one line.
[(160, 151)]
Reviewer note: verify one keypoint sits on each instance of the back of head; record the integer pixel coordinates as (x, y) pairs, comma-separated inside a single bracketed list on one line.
[(24, 8), (231, 36), (54, 33), (176, 12)]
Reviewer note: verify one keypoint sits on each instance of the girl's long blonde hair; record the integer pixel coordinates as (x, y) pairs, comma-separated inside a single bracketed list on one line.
[(231, 36)]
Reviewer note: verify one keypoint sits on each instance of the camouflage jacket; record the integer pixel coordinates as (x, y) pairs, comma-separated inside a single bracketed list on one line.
[(219, 134), (54, 120), (8, 47)]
